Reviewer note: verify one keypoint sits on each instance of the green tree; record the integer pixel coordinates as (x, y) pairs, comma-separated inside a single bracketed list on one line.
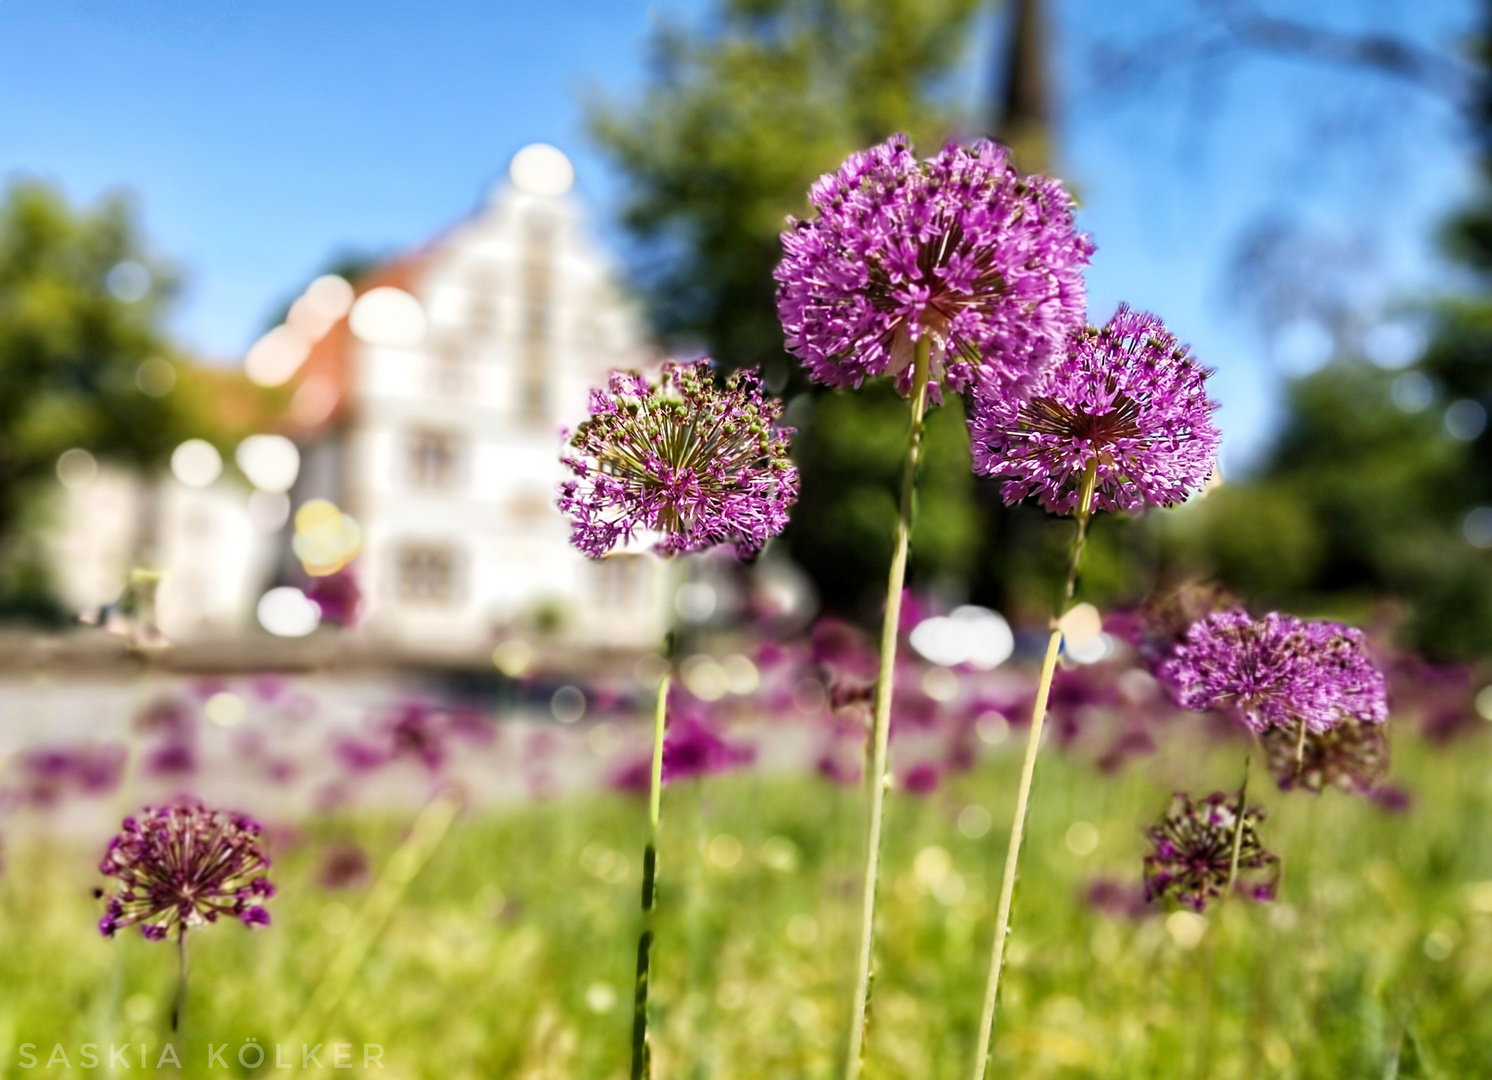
[(735, 125), (81, 306)]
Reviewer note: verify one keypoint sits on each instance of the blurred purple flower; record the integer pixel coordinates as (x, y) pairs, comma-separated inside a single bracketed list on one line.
[(833, 767), (48, 775), (1276, 672), (922, 778), (343, 866), (1392, 798), (338, 597), (183, 866), (1127, 399), (1159, 625), (1074, 692), (1118, 899), (169, 715), (699, 464), (842, 649), (1192, 852), (1132, 742), (1351, 756), (959, 247), (693, 749), (174, 757)]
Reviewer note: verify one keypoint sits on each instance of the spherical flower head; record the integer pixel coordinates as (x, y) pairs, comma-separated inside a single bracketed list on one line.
[(1276, 672), (1351, 757), (183, 866), (959, 248), (681, 457), (1191, 855), (1126, 401)]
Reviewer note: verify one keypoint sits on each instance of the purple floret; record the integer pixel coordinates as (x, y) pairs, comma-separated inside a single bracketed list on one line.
[(1127, 400), (959, 246), (1276, 672), (182, 866), (682, 458)]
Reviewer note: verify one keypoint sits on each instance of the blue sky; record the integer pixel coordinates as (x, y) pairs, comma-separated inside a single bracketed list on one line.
[(261, 138)]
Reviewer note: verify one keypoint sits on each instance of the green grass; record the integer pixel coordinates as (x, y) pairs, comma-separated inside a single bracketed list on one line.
[(1376, 962)]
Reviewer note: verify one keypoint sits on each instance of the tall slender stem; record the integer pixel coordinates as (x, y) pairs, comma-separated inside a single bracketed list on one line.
[(881, 730), (642, 1050), (1243, 791), (178, 1004), (1028, 771), (1204, 1049)]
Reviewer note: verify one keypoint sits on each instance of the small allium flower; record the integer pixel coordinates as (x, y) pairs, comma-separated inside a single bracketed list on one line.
[(959, 246), (700, 465), (182, 866), (1127, 399), (1192, 852), (1352, 757), (1276, 672)]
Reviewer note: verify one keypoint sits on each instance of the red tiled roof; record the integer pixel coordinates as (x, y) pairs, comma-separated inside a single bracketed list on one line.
[(320, 392)]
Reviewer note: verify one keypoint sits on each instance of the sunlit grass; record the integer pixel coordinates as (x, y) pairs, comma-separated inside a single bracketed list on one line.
[(511, 954)]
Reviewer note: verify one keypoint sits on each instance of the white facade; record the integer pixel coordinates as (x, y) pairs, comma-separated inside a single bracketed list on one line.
[(448, 451), (435, 424)]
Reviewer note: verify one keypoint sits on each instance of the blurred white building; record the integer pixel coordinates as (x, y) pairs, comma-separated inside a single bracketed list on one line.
[(428, 406), (432, 415)]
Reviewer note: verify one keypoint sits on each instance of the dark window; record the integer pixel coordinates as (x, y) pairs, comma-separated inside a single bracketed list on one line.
[(427, 573), (433, 459)]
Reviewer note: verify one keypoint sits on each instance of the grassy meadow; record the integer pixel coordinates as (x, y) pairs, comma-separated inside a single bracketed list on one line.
[(509, 953)]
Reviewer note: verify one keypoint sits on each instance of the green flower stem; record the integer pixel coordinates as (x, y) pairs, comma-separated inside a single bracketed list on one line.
[(178, 1003), (642, 1051), (876, 776), (1028, 771), (1204, 1048)]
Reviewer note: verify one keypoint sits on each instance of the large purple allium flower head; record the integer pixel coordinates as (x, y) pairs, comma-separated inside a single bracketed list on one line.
[(680, 457), (1352, 757), (1192, 852), (1127, 402), (959, 247), (183, 866), (1276, 672)]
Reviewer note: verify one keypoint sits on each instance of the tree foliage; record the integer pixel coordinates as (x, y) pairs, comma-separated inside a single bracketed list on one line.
[(81, 308), (736, 123)]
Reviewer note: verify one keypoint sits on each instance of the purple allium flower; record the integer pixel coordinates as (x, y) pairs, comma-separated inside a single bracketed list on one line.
[(693, 749), (682, 457), (181, 866), (959, 246), (1276, 672), (1127, 399), (1193, 852), (1352, 756)]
